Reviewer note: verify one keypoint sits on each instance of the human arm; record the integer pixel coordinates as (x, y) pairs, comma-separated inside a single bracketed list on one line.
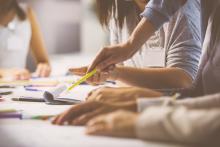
[(38, 47), (15, 74), (154, 78), (179, 125), (156, 13)]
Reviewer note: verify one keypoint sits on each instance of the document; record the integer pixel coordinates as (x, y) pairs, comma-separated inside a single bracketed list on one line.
[(59, 94)]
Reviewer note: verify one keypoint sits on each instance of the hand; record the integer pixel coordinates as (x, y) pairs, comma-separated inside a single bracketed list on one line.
[(22, 74), (82, 113), (108, 94), (111, 56), (43, 70), (117, 124), (16, 74), (98, 78)]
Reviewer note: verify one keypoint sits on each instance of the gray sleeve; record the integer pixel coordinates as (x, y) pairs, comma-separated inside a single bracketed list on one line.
[(183, 42), (160, 11), (179, 124)]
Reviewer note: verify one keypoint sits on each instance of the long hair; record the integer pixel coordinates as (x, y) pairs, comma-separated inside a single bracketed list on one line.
[(13, 5), (118, 9)]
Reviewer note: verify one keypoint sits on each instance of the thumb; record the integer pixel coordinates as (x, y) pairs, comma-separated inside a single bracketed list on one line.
[(79, 71)]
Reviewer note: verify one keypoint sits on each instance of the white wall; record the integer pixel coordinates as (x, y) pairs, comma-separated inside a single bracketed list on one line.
[(69, 26), (93, 36)]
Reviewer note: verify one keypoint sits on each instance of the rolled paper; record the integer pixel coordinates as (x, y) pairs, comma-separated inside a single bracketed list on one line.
[(50, 96)]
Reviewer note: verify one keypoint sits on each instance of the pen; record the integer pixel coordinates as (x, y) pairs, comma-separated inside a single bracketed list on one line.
[(28, 99), (83, 79), (32, 89), (6, 86)]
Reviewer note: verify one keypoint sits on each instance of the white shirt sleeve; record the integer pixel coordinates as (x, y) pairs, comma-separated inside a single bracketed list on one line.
[(143, 103), (179, 124)]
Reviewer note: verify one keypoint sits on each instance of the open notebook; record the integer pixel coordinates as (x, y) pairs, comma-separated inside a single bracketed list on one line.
[(58, 95)]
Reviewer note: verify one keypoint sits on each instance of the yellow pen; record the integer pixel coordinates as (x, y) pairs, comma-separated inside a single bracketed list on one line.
[(83, 79)]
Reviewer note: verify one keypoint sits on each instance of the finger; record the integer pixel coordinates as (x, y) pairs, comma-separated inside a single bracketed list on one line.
[(79, 71), (100, 129), (24, 75), (82, 120), (99, 120), (17, 77), (106, 63), (38, 70), (98, 59), (77, 111), (54, 121), (42, 71)]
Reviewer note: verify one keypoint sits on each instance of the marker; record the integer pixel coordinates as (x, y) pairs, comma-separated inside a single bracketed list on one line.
[(8, 111), (11, 116), (38, 117), (83, 79)]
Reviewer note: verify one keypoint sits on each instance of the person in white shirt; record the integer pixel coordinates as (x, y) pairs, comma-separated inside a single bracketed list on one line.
[(20, 32)]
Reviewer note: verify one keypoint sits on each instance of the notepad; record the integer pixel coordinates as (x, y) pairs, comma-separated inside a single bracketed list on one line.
[(58, 95)]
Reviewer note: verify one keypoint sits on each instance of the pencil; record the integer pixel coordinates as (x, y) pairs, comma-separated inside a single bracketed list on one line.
[(83, 79)]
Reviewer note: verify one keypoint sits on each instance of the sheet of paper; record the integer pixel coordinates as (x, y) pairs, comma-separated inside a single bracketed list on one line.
[(78, 93)]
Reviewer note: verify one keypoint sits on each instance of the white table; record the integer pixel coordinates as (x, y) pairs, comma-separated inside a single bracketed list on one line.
[(34, 133), (30, 133)]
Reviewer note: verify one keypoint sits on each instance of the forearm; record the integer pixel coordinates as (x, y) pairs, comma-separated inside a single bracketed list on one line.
[(154, 78), (179, 125), (37, 42), (140, 35)]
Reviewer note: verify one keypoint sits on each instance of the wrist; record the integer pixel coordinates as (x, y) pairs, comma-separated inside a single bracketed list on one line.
[(114, 74)]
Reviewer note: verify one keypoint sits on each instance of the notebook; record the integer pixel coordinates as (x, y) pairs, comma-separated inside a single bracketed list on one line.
[(58, 95)]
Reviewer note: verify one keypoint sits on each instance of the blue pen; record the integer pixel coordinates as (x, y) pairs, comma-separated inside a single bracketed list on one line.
[(32, 89)]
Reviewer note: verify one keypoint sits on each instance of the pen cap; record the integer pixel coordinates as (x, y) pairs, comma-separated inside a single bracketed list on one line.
[(49, 96)]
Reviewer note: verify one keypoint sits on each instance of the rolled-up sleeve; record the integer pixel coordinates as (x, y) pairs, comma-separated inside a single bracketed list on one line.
[(160, 11)]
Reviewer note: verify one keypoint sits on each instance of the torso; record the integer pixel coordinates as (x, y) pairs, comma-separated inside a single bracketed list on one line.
[(15, 42)]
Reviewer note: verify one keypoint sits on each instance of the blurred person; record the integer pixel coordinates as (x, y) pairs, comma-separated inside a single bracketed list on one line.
[(19, 33)]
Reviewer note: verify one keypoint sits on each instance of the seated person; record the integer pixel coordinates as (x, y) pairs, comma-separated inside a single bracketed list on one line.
[(194, 120), (167, 50), (19, 32)]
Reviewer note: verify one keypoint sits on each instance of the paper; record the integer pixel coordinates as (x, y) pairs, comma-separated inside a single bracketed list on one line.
[(76, 95)]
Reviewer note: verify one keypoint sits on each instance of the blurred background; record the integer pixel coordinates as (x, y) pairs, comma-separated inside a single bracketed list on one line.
[(70, 28)]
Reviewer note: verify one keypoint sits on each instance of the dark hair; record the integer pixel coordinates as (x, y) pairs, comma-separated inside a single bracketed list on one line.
[(13, 5), (20, 12), (106, 9)]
